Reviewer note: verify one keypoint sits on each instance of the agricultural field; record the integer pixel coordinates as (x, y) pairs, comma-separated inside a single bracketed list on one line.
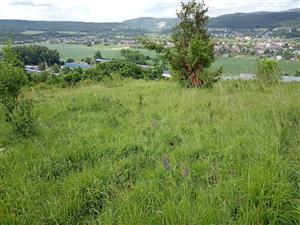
[(32, 32), (78, 52), (236, 66), (153, 153), (232, 66)]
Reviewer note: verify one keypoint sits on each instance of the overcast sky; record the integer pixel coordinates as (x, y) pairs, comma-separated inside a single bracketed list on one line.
[(119, 10)]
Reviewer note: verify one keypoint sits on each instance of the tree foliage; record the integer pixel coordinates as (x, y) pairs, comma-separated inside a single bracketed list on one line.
[(70, 60), (267, 71), (193, 51), (10, 56), (121, 68), (134, 56), (55, 68), (36, 54), (124, 68), (98, 55), (17, 111)]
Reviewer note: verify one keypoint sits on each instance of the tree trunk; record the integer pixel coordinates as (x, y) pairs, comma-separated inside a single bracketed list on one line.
[(195, 81)]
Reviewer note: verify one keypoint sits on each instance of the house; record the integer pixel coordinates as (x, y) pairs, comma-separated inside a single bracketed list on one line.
[(77, 65), (102, 60), (144, 66), (247, 76), (166, 74), (32, 69)]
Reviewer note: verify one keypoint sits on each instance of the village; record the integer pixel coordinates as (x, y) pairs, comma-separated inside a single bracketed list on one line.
[(269, 43), (278, 49)]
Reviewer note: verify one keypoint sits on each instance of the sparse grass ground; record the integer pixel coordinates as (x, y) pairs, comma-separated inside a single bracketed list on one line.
[(153, 153)]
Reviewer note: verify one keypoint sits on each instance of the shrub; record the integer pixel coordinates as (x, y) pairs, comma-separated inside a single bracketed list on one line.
[(12, 79), (70, 60), (93, 74), (11, 57), (98, 55), (134, 56), (42, 66), (65, 70), (40, 77), (267, 71), (21, 118), (55, 80), (115, 80), (154, 73), (17, 112), (73, 77), (124, 68), (56, 68), (210, 77)]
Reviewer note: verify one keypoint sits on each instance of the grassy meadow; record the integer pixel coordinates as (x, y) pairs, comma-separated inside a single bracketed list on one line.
[(153, 153), (236, 66), (79, 52)]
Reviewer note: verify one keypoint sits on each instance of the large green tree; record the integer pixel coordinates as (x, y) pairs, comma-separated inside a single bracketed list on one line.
[(37, 54), (193, 51)]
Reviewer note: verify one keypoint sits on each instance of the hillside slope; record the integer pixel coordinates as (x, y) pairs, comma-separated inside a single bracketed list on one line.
[(153, 153), (148, 24)]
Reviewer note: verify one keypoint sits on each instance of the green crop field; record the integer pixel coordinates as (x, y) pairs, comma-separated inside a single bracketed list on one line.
[(154, 153), (78, 52), (231, 66), (235, 66), (32, 32)]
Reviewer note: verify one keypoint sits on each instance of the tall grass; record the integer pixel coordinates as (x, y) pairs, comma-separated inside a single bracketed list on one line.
[(153, 153)]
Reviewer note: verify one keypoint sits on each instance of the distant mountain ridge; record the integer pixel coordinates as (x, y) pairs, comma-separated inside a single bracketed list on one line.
[(257, 20), (149, 24)]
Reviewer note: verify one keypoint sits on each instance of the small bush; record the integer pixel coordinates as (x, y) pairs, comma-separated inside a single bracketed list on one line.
[(17, 112), (124, 68), (268, 71), (211, 77), (73, 78), (55, 80), (115, 80), (42, 66), (56, 68), (154, 73), (40, 77), (22, 120), (70, 60)]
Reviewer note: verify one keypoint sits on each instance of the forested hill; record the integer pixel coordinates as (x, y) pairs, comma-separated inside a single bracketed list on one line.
[(257, 20), (233, 21), (148, 24), (52, 26)]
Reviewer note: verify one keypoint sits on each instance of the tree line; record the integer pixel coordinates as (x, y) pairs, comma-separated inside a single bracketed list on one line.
[(37, 54)]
